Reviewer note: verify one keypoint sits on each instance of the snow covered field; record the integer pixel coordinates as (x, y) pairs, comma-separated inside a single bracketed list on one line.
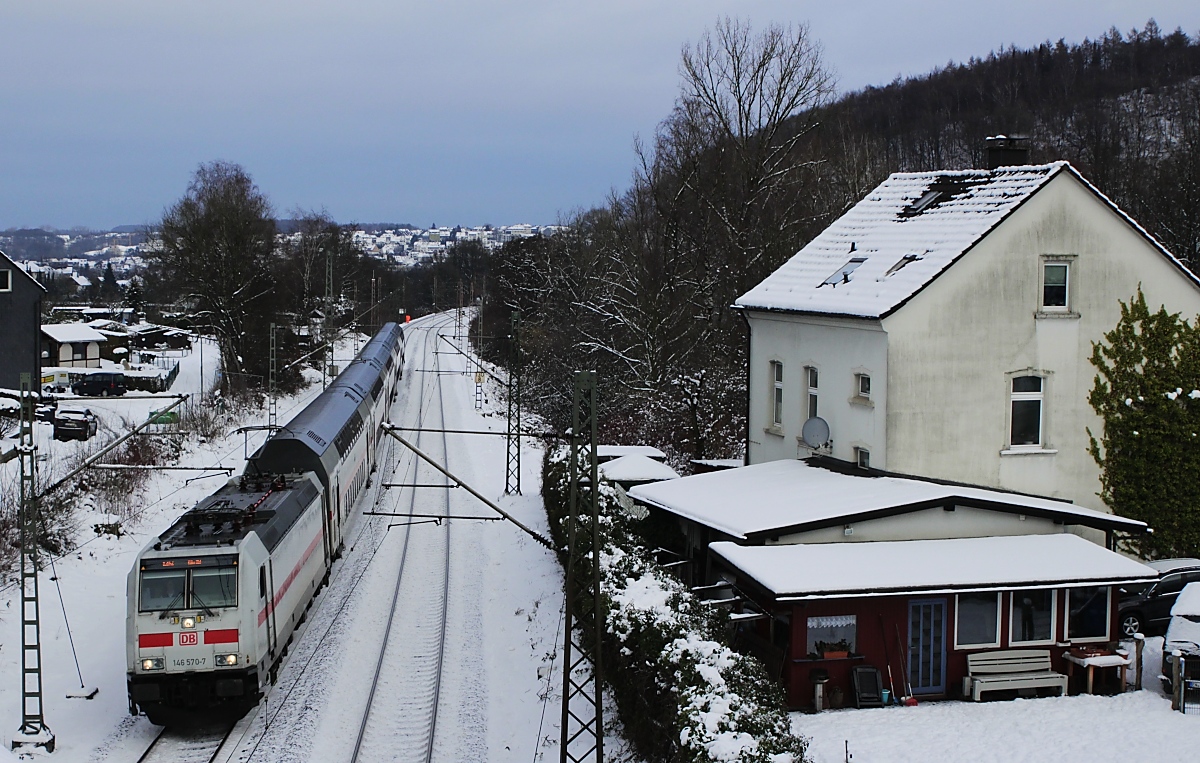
[(500, 697)]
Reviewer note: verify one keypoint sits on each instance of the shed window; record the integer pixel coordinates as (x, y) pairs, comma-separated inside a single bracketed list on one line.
[(5, 280), (1032, 617), (828, 631), (1088, 613), (977, 620)]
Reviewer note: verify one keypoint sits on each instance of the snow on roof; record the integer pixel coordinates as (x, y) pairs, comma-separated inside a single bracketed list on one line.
[(636, 468), (896, 240), (792, 496), (616, 451), (1188, 602), (72, 332), (835, 570)]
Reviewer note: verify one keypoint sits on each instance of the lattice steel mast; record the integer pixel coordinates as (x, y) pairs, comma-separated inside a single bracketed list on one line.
[(512, 470), (583, 724), (33, 731)]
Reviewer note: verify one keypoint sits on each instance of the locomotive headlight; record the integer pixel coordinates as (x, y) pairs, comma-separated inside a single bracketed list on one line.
[(188, 622), (226, 660), (152, 663)]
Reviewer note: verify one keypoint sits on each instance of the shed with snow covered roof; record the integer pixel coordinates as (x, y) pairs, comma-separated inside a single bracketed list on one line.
[(943, 327), (917, 573), (71, 345)]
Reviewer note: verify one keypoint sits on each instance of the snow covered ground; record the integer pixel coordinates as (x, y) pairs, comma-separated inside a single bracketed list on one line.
[(1137, 725), (500, 698)]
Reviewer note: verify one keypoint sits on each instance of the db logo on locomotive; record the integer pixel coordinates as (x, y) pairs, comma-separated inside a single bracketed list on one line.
[(189, 639)]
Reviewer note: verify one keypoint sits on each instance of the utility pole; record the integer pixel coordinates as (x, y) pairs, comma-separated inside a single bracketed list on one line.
[(272, 386), (583, 725), (326, 335), (512, 470), (33, 732)]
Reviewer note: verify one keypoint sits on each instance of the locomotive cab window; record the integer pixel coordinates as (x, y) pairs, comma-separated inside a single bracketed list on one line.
[(170, 588), (215, 587), (162, 589)]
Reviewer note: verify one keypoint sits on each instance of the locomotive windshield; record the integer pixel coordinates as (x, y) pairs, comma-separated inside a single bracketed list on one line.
[(203, 583)]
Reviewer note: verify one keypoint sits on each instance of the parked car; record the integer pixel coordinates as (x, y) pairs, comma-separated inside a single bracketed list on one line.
[(74, 423), (1183, 634), (1146, 609), (46, 410), (102, 384)]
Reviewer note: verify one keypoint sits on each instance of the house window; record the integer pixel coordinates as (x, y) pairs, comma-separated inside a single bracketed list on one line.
[(1089, 613), (1055, 280), (862, 383), (5, 280), (1026, 424), (811, 375), (776, 393), (1032, 617), (826, 632), (863, 457), (79, 352), (977, 620)]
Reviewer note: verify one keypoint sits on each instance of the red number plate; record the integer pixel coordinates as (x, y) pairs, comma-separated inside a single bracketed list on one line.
[(189, 639)]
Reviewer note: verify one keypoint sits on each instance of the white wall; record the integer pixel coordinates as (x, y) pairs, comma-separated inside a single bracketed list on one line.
[(838, 348), (953, 345)]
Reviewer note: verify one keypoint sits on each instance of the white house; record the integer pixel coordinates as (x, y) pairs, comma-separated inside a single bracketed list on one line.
[(943, 327)]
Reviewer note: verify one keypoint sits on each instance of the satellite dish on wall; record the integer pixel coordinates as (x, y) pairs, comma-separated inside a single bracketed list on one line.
[(815, 433)]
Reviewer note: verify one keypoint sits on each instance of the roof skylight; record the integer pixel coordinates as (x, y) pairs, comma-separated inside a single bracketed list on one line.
[(906, 259), (842, 275)]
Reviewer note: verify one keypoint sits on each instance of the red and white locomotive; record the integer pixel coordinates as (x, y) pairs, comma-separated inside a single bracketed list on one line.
[(213, 601)]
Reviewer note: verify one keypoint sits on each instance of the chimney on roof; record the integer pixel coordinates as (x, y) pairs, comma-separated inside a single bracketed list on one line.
[(1003, 151)]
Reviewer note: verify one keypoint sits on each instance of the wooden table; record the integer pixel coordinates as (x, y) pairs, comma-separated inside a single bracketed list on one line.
[(1091, 660)]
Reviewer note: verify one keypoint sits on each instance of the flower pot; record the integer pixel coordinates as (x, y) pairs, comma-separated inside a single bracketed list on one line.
[(835, 655)]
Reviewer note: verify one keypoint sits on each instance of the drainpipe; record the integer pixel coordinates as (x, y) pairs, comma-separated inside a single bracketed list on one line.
[(746, 457)]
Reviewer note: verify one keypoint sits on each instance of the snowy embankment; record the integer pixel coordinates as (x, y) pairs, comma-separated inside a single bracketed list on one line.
[(1137, 725)]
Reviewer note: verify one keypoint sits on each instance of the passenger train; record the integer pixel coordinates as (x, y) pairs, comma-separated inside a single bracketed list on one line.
[(214, 600)]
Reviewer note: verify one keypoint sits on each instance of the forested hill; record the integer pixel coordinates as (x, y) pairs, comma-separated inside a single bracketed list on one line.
[(1123, 109)]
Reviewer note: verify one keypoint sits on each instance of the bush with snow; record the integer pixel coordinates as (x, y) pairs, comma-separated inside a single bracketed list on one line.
[(683, 694)]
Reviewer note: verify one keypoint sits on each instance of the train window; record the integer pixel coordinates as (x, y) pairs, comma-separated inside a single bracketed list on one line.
[(162, 589), (214, 587), (262, 582)]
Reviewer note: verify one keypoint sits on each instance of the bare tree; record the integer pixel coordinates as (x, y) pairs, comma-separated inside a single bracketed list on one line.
[(216, 248)]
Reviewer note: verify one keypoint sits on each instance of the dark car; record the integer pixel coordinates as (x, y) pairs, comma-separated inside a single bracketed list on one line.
[(101, 384), (1147, 609), (71, 423)]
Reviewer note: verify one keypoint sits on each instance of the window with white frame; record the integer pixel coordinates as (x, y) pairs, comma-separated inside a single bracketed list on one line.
[(1056, 279), (1089, 613), (810, 374), (5, 280), (977, 620), (1025, 420), (776, 393), (1032, 617), (862, 385)]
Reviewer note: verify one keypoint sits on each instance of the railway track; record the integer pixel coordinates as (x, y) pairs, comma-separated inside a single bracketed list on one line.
[(198, 745), (400, 720)]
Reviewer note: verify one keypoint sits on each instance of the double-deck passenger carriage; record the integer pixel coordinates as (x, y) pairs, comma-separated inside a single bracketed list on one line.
[(214, 600)]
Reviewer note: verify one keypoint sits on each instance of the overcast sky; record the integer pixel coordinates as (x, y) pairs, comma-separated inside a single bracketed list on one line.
[(416, 111)]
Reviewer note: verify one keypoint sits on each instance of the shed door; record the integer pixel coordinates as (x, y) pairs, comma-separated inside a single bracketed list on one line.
[(927, 646)]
